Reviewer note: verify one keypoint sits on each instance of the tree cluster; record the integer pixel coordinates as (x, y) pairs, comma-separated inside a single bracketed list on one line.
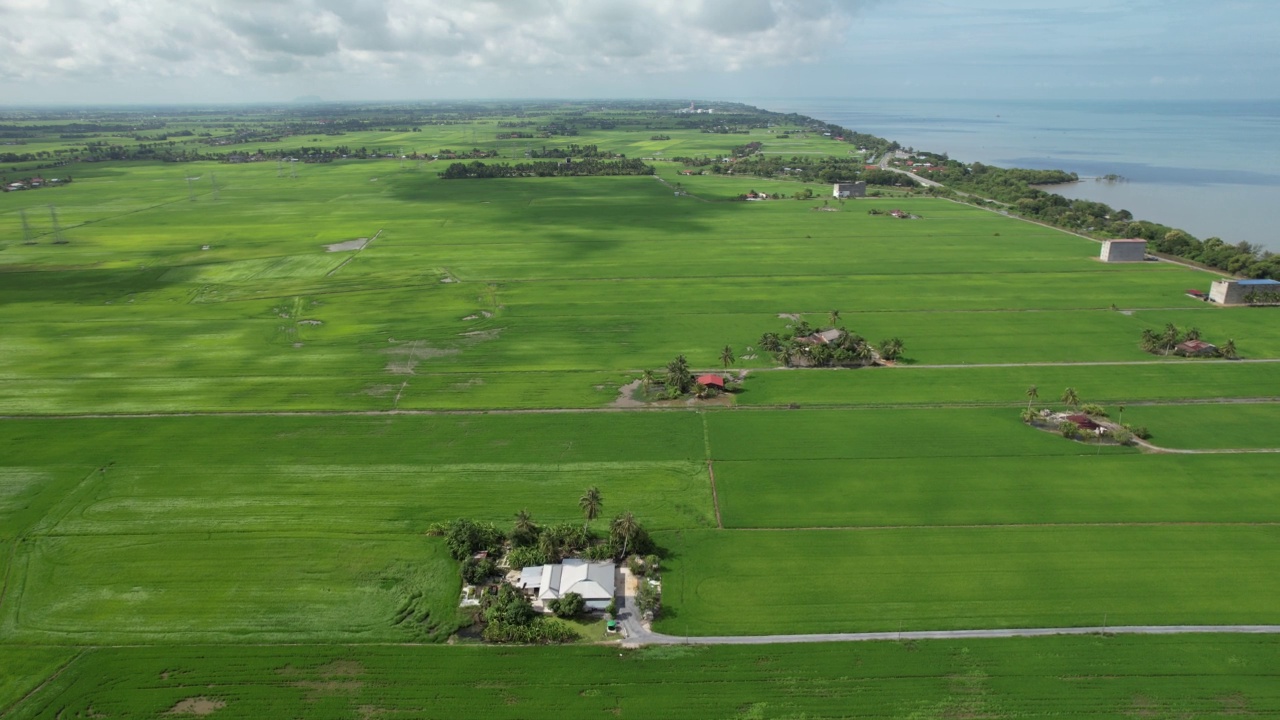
[(585, 167), (1168, 339), (1014, 187), (801, 346)]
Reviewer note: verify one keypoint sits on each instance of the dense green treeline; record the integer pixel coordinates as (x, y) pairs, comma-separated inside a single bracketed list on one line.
[(1015, 187), (589, 166)]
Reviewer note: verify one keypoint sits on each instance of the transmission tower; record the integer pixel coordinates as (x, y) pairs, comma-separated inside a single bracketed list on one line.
[(293, 168), (191, 192), (279, 168), (213, 180), (28, 238), (57, 229)]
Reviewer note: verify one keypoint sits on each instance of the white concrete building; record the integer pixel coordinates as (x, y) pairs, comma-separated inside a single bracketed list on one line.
[(1237, 292), (1124, 251), (849, 190)]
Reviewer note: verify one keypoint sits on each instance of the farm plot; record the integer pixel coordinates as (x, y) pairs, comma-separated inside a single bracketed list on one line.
[(1028, 678), (1228, 425), (213, 586), (1032, 490), (863, 434), (1158, 381), (738, 582)]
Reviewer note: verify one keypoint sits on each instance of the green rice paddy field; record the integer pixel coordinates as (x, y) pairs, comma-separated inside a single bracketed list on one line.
[(217, 466)]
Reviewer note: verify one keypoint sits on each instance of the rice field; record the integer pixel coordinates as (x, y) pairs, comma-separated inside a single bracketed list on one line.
[(222, 442)]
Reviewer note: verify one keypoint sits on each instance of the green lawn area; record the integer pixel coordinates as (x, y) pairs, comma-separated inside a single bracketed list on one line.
[(737, 582), (1188, 676)]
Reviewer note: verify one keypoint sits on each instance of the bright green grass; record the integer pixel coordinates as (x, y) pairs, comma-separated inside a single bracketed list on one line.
[(364, 497), (211, 443), (577, 275), (856, 435), (1230, 425), (213, 586), (1008, 385), (1093, 677), (22, 669), (813, 581), (998, 490)]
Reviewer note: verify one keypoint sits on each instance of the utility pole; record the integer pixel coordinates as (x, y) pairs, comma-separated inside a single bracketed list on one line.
[(57, 229), (28, 237)]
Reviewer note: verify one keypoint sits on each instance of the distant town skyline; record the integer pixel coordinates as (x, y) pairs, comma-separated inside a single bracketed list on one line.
[(224, 51)]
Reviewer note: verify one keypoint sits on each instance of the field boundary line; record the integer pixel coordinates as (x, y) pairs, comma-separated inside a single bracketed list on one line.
[(1001, 526), (56, 674), (715, 497), (650, 638)]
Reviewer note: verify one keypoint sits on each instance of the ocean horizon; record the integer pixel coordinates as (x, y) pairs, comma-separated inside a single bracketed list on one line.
[(1211, 168)]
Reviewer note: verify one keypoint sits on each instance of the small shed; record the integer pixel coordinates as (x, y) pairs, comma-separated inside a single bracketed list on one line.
[(711, 380)]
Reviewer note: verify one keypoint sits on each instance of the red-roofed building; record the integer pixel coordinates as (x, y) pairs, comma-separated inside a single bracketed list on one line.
[(1196, 348), (1084, 422), (710, 380)]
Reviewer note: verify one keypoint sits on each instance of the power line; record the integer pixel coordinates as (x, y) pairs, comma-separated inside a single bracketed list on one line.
[(28, 237)]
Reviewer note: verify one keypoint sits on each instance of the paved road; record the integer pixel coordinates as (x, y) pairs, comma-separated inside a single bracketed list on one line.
[(637, 636)]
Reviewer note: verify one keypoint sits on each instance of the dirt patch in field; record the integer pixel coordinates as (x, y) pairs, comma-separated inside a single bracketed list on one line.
[(789, 316), (357, 244), (406, 356), (380, 390), (483, 335), (341, 668), (626, 397), (197, 706)]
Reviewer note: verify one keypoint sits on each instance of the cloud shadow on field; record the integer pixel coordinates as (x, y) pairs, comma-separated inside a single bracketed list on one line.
[(20, 284)]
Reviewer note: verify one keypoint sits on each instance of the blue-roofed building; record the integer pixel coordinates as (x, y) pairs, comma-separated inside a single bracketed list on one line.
[(1242, 292)]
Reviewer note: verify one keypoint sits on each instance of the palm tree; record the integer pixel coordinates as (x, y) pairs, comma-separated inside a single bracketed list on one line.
[(1149, 341), (1121, 409), (1229, 350), (624, 528), (833, 317), (726, 356), (646, 380), (1192, 334), (591, 503), (770, 342), (891, 349), (678, 376), (1169, 338), (1033, 394), (524, 523), (1071, 398)]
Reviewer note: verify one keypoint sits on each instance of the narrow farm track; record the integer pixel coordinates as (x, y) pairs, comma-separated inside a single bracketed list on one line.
[(557, 411), (1000, 526), (650, 638)]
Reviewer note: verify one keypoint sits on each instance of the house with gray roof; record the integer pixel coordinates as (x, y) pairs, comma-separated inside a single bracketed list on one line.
[(596, 582)]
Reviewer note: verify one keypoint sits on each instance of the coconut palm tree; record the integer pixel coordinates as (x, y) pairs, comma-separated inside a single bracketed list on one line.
[(590, 503), (833, 317), (1193, 333), (646, 380), (1228, 350), (770, 342), (726, 356), (1149, 341), (1033, 394), (891, 349), (1071, 398), (1170, 338), (624, 528), (678, 376), (524, 528)]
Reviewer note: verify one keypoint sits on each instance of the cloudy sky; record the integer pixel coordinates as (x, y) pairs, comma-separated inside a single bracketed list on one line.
[(143, 51)]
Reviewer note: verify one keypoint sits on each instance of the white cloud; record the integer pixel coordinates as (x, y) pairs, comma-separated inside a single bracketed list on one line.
[(133, 39)]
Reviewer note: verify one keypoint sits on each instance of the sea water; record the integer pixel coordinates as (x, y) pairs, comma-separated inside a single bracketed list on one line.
[(1211, 168)]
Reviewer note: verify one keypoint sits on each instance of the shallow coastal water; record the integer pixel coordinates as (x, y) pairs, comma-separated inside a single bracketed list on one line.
[(1209, 167)]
